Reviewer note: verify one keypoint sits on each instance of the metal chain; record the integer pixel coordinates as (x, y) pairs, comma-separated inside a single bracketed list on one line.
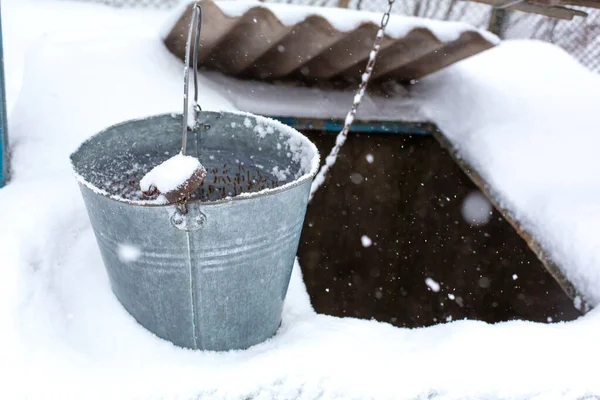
[(366, 76)]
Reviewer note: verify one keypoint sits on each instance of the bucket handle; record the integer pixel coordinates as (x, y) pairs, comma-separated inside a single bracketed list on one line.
[(195, 22)]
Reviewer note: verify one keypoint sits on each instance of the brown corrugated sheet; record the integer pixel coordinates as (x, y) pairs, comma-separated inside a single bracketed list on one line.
[(249, 46)]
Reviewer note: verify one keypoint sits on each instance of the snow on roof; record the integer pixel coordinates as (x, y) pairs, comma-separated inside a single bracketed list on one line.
[(306, 102), (526, 117), (272, 41), (78, 342), (345, 19)]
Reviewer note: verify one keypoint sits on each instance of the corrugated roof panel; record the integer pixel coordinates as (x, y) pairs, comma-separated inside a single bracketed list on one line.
[(254, 42)]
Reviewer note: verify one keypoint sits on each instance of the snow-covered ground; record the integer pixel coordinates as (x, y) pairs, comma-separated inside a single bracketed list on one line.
[(531, 130), (73, 69)]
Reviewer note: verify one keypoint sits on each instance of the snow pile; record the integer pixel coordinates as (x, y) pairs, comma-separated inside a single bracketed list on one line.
[(525, 115), (298, 148), (171, 174), (78, 342)]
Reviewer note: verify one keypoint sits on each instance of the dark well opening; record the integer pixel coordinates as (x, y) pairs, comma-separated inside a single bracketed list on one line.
[(408, 202)]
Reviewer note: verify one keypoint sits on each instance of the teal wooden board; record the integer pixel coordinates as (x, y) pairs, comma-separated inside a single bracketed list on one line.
[(331, 125)]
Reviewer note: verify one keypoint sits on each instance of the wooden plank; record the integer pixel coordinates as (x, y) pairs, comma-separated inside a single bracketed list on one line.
[(533, 244), (552, 11), (333, 126), (581, 3), (497, 21), (468, 44)]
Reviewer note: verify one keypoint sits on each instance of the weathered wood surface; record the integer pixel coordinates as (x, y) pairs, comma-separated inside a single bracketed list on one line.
[(533, 244), (583, 3), (579, 3), (258, 45), (408, 201), (548, 8)]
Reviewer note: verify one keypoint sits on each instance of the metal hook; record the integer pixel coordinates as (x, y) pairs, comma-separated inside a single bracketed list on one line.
[(196, 20)]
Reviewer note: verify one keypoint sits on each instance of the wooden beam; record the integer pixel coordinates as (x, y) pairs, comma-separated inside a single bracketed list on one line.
[(578, 3), (497, 21), (582, 3), (548, 11), (553, 12), (533, 244), (333, 126)]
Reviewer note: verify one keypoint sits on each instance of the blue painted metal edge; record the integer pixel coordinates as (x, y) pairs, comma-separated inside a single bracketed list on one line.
[(333, 125), (4, 163)]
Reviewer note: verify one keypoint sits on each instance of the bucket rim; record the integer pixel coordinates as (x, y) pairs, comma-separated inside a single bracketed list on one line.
[(291, 132)]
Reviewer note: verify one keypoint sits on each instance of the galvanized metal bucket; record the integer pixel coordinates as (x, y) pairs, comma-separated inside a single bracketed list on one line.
[(215, 277)]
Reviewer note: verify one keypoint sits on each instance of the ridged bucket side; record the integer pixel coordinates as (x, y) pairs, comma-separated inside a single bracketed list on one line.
[(215, 277)]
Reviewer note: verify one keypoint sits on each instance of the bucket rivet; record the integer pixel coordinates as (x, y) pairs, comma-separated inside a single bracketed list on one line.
[(200, 220), (206, 127), (177, 219)]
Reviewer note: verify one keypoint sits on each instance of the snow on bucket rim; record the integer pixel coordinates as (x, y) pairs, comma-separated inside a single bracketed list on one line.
[(307, 149)]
